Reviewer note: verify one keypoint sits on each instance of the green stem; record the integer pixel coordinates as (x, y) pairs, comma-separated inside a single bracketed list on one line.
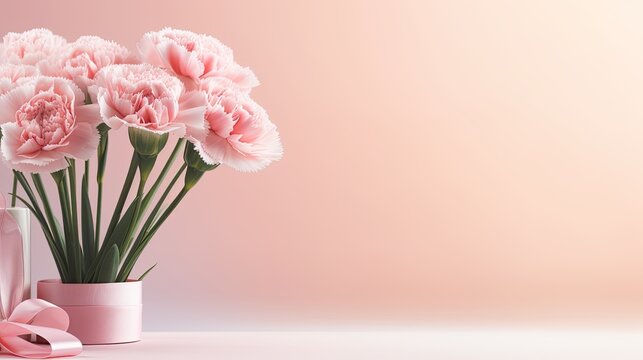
[(14, 190), (99, 205), (167, 191), (145, 165), (133, 256), (150, 194), (167, 212), (73, 256), (139, 245), (72, 190), (72, 195), (127, 185), (103, 145), (137, 214), (195, 171), (141, 203)]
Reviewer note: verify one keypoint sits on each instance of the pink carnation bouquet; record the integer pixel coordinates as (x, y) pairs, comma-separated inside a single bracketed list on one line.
[(59, 102)]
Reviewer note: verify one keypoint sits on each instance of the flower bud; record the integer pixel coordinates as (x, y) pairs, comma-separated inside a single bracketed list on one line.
[(195, 161), (192, 176), (147, 143), (196, 166)]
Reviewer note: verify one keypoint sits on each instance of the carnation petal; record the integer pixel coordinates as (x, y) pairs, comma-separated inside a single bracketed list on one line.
[(220, 122), (149, 52), (180, 60), (89, 113), (114, 122), (41, 167), (10, 141), (244, 78), (11, 102), (192, 107), (204, 155), (221, 150), (60, 86), (28, 149), (82, 142)]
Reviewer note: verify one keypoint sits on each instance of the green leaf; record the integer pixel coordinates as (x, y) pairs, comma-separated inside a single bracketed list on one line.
[(116, 239), (58, 229), (109, 267), (72, 246), (60, 263), (122, 229), (147, 272), (51, 218)]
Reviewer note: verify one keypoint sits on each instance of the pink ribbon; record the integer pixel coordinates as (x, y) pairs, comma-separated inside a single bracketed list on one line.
[(41, 318), (31, 317)]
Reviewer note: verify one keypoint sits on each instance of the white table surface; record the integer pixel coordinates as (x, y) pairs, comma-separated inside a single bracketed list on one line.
[(433, 345)]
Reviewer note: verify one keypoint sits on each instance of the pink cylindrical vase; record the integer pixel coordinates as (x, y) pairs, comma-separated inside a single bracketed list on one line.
[(106, 313)]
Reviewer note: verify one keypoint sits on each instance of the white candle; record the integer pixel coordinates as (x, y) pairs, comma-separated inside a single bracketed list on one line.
[(23, 218)]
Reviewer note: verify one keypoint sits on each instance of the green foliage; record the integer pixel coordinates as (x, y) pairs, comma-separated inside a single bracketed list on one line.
[(107, 272), (84, 254), (140, 278)]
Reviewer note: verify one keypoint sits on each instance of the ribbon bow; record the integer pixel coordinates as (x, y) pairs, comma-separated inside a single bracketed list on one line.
[(31, 317), (41, 318)]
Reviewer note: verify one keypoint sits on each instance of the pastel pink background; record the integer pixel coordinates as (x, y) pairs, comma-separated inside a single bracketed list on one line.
[(460, 162)]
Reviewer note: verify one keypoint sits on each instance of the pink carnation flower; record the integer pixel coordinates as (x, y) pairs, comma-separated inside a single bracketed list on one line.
[(82, 59), (146, 97), (50, 123), (30, 47), (240, 134), (194, 57), (11, 75)]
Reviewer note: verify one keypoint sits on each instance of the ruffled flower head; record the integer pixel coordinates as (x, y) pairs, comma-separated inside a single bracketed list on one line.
[(240, 133), (49, 123), (194, 58), (81, 60), (30, 47), (148, 98), (11, 75)]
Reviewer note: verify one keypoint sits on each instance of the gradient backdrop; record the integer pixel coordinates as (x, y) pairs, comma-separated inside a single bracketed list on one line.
[(447, 162)]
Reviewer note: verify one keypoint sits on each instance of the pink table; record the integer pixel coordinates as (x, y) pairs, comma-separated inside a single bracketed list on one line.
[(425, 345)]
